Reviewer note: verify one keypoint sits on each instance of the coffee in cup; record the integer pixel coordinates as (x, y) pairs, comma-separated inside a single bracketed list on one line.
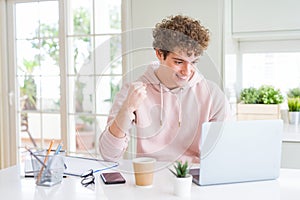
[(143, 171)]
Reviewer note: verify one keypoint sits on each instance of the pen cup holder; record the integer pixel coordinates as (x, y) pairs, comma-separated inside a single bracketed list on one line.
[(48, 169)]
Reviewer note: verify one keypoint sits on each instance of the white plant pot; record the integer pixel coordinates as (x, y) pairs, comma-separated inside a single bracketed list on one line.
[(294, 118), (182, 186)]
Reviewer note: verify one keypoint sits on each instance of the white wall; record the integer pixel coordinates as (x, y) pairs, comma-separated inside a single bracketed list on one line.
[(256, 16), (252, 22), (258, 24), (142, 15)]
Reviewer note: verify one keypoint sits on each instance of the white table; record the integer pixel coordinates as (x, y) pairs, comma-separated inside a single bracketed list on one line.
[(287, 187), (13, 187)]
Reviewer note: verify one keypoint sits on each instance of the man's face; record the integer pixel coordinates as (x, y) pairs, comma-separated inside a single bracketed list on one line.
[(177, 68)]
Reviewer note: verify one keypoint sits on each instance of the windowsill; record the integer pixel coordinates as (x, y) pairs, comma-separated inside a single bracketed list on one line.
[(291, 133)]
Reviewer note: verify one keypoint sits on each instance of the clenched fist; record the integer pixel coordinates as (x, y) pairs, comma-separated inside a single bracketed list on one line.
[(136, 95)]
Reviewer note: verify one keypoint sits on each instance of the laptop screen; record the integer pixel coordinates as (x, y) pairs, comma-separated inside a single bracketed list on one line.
[(239, 151)]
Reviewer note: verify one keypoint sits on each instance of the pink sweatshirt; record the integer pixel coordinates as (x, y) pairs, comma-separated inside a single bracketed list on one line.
[(168, 123)]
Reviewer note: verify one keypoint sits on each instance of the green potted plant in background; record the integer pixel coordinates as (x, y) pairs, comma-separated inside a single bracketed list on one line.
[(259, 104), (29, 87), (294, 105), (183, 180)]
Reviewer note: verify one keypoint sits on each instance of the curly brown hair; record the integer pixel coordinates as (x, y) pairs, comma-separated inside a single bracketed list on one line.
[(180, 33)]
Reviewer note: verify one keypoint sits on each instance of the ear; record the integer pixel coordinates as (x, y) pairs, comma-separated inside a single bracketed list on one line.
[(159, 54)]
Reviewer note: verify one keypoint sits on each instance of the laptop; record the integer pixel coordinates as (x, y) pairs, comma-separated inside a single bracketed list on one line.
[(239, 151)]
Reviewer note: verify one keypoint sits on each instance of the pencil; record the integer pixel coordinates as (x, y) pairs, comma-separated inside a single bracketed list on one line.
[(58, 148), (37, 158), (45, 161)]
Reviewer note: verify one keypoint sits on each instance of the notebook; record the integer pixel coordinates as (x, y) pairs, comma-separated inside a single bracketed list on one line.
[(75, 166), (239, 151)]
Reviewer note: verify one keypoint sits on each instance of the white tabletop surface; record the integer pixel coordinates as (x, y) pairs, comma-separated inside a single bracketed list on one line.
[(287, 187), (14, 187)]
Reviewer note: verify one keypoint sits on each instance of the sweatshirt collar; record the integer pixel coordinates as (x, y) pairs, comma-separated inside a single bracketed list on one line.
[(150, 78)]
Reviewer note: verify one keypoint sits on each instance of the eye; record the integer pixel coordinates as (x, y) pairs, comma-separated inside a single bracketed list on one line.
[(178, 62), (194, 63)]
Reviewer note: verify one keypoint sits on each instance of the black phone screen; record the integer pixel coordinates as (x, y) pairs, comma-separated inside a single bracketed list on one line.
[(112, 178)]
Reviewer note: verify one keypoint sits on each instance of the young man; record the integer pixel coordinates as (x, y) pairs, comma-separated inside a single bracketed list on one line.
[(170, 101)]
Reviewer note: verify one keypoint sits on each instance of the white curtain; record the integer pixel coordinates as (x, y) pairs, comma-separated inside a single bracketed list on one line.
[(6, 158)]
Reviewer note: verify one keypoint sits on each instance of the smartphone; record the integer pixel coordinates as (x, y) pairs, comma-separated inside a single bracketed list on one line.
[(112, 178)]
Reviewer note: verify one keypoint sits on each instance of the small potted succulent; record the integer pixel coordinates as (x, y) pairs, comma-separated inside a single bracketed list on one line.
[(183, 180), (294, 105)]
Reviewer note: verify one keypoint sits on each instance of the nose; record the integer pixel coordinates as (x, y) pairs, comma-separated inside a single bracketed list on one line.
[(187, 69)]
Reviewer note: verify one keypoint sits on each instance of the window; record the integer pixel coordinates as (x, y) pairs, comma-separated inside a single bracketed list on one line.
[(66, 70), (37, 72), (94, 68), (270, 62), (282, 70)]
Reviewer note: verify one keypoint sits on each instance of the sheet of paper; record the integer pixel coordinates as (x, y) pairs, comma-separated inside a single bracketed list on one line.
[(78, 165)]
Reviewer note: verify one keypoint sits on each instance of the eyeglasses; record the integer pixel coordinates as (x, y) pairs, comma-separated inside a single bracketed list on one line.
[(88, 178)]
